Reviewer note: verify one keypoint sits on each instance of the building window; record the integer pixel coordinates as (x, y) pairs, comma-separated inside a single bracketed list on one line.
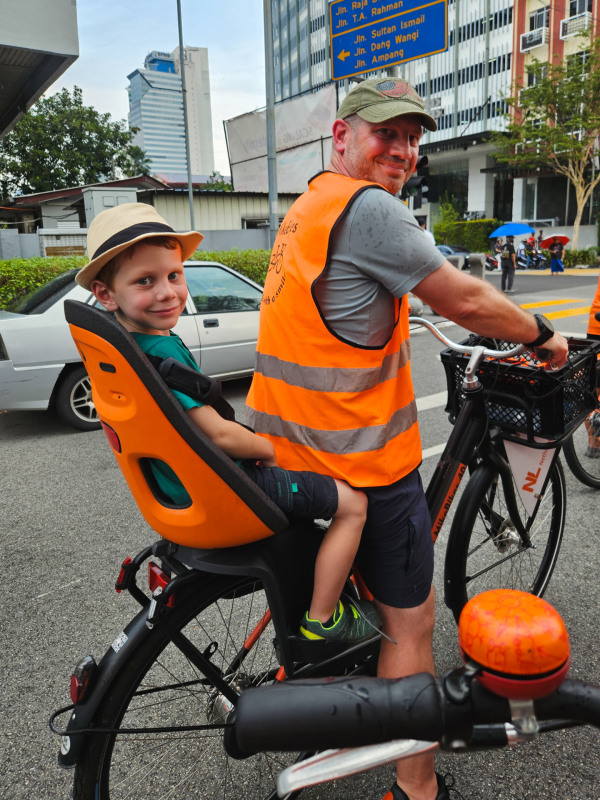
[(579, 7), (539, 19)]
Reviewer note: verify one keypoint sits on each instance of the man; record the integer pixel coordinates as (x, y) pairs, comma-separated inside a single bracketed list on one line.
[(332, 387), (509, 264), (429, 234), (540, 238), (529, 249)]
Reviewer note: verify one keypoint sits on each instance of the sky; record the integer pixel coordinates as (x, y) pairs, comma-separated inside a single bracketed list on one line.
[(116, 35)]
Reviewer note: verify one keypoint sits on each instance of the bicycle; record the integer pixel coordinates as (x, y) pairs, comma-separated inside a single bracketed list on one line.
[(235, 577), (580, 447), (360, 724)]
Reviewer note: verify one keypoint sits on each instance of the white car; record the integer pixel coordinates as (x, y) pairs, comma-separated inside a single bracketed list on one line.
[(40, 365)]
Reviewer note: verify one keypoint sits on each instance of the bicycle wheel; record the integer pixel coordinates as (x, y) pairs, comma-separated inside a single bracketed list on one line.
[(485, 551), (159, 687), (580, 450)]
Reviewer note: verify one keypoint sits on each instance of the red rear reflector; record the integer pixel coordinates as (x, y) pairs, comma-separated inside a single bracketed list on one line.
[(82, 679), (122, 574), (156, 578), (112, 437)]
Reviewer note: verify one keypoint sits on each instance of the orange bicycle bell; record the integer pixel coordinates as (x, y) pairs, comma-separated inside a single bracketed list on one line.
[(518, 642)]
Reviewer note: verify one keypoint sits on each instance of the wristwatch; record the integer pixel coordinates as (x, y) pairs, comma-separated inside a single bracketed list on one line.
[(546, 330)]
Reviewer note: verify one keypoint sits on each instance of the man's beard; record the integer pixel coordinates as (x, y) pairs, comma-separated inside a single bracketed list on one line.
[(364, 169)]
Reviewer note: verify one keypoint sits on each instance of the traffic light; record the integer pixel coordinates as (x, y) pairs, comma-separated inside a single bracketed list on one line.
[(417, 186)]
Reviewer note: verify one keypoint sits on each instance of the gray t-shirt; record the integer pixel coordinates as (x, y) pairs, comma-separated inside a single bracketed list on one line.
[(378, 252)]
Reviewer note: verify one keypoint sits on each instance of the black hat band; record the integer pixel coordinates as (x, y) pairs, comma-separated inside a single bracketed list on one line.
[(131, 233)]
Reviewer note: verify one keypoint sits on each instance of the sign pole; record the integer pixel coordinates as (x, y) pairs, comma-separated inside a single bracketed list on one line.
[(271, 144), (186, 127)]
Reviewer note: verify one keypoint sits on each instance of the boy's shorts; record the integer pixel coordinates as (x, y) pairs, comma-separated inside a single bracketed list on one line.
[(300, 494)]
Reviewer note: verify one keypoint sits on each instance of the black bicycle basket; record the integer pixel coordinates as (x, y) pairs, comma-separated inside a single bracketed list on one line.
[(521, 396)]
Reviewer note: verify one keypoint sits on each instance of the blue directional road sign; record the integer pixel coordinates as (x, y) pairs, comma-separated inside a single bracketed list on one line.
[(367, 35)]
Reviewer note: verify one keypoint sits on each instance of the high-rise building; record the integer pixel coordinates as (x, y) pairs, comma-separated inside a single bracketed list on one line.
[(490, 44), (156, 109)]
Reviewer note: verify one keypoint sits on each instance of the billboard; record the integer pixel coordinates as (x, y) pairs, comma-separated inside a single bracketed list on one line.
[(303, 142)]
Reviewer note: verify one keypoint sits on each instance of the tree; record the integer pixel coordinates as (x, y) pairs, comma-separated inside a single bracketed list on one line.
[(217, 182), (555, 122), (444, 229), (138, 162), (61, 143)]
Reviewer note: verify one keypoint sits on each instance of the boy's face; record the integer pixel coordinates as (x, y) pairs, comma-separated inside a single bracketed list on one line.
[(149, 290)]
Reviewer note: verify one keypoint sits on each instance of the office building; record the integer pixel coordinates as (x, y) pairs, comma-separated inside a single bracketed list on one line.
[(156, 109), (490, 44)]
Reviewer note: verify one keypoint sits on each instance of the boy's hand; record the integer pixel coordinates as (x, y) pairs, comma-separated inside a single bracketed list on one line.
[(267, 462)]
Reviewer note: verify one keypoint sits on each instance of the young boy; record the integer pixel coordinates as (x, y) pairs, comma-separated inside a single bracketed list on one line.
[(144, 285)]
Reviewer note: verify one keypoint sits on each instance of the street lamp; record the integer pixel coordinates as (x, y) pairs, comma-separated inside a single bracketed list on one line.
[(185, 117), (271, 147)]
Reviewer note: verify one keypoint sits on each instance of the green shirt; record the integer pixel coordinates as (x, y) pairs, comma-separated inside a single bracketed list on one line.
[(169, 347)]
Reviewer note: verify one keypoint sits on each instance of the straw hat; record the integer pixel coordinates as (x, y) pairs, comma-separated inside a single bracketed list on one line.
[(118, 228)]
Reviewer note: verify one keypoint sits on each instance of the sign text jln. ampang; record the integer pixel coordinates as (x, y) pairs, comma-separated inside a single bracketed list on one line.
[(367, 35)]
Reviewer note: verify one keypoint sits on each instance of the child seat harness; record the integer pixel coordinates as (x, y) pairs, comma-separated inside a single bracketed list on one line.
[(194, 384)]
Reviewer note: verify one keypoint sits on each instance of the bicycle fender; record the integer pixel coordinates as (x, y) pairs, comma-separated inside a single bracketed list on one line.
[(109, 667)]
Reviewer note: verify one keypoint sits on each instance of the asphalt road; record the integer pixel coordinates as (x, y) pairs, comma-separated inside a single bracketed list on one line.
[(67, 520)]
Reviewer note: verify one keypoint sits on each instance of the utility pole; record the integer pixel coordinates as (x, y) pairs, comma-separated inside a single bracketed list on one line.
[(186, 127), (271, 145)]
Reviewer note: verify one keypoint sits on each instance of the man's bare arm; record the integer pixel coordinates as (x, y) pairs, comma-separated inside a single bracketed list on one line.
[(478, 306)]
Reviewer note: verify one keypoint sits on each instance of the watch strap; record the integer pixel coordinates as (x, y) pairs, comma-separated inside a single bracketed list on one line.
[(544, 336)]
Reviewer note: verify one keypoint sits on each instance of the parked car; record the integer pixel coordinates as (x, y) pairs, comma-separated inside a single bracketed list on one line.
[(453, 250), (40, 365)]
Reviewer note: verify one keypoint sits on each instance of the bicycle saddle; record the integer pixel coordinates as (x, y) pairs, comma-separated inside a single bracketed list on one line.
[(143, 420)]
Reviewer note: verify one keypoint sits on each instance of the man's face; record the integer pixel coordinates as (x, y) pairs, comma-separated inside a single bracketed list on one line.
[(383, 152), (149, 290)]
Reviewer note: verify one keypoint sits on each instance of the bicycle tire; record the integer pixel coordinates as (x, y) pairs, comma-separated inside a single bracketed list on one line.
[(112, 767), (586, 470), (482, 522)]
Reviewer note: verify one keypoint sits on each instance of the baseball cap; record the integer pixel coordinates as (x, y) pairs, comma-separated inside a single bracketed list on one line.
[(380, 99)]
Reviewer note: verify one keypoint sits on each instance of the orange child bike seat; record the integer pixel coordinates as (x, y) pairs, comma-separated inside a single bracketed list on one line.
[(143, 420)]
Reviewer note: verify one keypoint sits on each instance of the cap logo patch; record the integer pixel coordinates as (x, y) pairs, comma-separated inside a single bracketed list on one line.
[(396, 89)]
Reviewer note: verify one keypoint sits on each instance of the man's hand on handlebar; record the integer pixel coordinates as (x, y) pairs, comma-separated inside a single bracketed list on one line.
[(554, 352)]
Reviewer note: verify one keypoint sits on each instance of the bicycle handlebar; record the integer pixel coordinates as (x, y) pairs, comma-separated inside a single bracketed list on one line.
[(462, 348), (353, 712)]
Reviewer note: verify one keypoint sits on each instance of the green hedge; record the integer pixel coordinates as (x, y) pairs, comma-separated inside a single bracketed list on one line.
[(251, 263), (19, 276), (571, 258), (473, 234)]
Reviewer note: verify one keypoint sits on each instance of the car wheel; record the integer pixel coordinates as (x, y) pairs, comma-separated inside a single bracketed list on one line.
[(74, 402)]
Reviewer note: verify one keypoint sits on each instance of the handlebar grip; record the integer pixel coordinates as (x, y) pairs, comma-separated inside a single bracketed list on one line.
[(336, 713), (573, 700)]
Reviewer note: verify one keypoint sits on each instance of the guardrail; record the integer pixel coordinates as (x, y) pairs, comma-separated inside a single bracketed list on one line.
[(575, 25), (534, 39)]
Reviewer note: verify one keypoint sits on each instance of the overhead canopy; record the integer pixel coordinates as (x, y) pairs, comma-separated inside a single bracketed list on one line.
[(38, 42)]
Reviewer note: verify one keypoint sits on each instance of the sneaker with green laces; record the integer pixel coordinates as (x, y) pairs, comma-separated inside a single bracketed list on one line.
[(354, 622)]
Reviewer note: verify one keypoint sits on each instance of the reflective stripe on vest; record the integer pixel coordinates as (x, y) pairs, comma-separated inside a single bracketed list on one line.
[(594, 325), (328, 405)]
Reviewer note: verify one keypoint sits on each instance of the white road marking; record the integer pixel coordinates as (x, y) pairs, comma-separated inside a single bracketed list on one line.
[(432, 401), (434, 451), (58, 588), (422, 329)]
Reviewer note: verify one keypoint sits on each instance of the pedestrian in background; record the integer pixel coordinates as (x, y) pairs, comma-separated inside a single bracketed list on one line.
[(529, 249), (509, 264), (556, 265), (539, 240), (498, 252), (429, 234)]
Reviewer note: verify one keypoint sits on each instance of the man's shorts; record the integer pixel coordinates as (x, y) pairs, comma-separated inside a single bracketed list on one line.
[(300, 494), (395, 558)]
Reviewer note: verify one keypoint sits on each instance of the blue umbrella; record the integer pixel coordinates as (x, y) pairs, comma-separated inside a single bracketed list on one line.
[(511, 229)]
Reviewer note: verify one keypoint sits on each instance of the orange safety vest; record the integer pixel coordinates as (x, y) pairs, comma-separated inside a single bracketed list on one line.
[(327, 405), (594, 325)]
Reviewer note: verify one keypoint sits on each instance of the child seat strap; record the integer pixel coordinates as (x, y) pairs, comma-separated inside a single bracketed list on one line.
[(192, 383)]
